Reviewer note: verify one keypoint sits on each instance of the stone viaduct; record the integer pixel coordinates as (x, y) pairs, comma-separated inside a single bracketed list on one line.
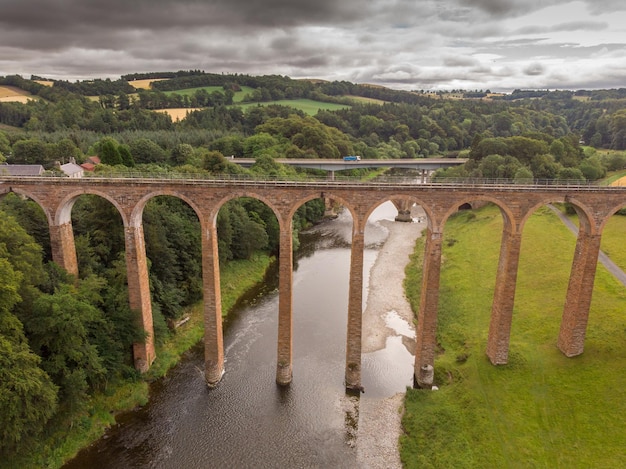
[(593, 204)]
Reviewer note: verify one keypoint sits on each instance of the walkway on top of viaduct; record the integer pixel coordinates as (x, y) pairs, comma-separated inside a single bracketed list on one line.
[(594, 205)]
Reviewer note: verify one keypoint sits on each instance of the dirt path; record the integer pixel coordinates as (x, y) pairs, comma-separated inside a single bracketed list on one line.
[(379, 419)]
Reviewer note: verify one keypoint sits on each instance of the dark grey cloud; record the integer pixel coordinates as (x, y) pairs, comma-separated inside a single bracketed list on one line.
[(162, 14), (413, 44), (534, 69), (507, 8)]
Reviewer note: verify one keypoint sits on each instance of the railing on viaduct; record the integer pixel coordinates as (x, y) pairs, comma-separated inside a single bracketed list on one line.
[(594, 205)]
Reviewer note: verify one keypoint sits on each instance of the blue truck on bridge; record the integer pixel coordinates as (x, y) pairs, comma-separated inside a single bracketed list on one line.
[(352, 158)]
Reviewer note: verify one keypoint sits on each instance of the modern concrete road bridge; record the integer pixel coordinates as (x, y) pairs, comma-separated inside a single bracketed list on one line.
[(594, 205), (424, 165)]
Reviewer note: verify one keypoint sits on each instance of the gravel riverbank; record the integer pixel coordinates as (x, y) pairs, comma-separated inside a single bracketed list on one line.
[(379, 419)]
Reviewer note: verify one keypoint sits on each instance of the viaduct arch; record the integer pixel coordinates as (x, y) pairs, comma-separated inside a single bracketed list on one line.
[(594, 205)]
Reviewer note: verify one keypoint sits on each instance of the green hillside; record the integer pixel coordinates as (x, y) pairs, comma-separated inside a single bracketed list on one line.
[(237, 98), (308, 106)]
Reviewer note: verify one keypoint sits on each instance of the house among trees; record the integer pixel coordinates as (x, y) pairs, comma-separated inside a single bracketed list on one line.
[(72, 169), (90, 163), (23, 170)]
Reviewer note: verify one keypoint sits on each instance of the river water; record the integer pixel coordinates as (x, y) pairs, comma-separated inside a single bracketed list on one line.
[(248, 421)]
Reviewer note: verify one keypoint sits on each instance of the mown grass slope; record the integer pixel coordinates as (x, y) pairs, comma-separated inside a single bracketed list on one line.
[(542, 410)]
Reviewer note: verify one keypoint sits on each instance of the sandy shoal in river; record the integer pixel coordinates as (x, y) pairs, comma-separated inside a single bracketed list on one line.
[(379, 419)]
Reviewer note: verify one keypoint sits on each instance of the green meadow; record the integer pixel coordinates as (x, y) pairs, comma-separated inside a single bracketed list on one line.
[(307, 106), (542, 409), (237, 98)]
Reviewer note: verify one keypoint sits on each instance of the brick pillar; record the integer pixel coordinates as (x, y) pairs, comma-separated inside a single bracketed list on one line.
[(212, 301), (284, 371), (63, 248), (355, 310), (576, 311), (426, 334), (504, 298), (404, 210), (139, 295), (329, 208)]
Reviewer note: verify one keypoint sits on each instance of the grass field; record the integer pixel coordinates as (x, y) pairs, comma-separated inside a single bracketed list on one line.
[(307, 106), (237, 98), (363, 99), (542, 410)]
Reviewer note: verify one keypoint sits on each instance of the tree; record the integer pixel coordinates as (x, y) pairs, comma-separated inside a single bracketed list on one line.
[(570, 174), (127, 158), (214, 162), (523, 176), (108, 151), (29, 151), (258, 144), (28, 398), (66, 150), (5, 146), (592, 169), (544, 167), (60, 328), (144, 150), (181, 154)]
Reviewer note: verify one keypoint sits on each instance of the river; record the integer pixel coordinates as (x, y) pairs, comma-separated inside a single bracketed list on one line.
[(248, 421)]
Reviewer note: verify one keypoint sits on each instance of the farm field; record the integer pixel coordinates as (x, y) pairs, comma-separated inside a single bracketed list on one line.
[(14, 95), (620, 182), (178, 114), (144, 84)]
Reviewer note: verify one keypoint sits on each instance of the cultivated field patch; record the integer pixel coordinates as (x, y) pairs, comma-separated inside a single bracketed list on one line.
[(620, 182), (14, 94), (178, 114), (145, 84)]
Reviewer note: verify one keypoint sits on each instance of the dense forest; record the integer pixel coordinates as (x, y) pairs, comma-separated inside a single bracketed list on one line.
[(63, 339)]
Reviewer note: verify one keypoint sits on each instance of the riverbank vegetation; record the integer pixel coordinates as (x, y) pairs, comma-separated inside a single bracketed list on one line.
[(63, 438), (542, 409)]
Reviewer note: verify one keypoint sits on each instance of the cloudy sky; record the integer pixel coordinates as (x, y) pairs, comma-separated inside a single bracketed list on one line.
[(499, 45)]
